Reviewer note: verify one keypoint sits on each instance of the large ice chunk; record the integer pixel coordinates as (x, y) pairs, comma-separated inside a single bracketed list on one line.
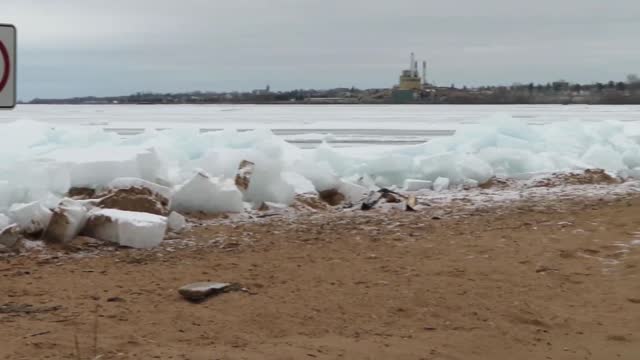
[(67, 221), (631, 157), (151, 167), (441, 165), (98, 165), (474, 168), (206, 194), (264, 164), (416, 184), (4, 221), (126, 228), (321, 175), (176, 222), (31, 218), (441, 184), (267, 185), (352, 192), (301, 185)]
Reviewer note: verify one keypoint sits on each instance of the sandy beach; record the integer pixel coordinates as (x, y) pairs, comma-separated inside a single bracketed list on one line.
[(549, 274)]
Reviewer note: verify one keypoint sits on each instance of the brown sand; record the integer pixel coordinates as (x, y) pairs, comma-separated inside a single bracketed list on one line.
[(527, 281)]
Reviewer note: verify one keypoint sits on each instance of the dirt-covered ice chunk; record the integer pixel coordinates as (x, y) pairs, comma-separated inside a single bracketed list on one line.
[(67, 221), (31, 217), (126, 228)]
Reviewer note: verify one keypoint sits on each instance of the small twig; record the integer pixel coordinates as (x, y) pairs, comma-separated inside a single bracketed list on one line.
[(76, 343), (95, 332), (40, 333)]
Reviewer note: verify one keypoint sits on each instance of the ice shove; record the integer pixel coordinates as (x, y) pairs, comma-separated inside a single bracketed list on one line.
[(39, 161)]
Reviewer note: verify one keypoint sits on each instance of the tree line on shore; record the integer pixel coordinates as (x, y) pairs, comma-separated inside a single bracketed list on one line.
[(557, 92)]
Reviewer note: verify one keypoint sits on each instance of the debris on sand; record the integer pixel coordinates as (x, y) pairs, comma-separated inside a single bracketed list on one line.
[(412, 203), (26, 309), (390, 196), (199, 291), (371, 200), (344, 192), (313, 203), (496, 183), (587, 177)]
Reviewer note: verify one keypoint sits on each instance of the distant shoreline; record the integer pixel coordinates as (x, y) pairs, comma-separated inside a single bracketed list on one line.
[(556, 93), (329, 104)]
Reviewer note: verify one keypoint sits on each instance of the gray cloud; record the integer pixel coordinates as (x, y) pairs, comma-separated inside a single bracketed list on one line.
[(75, 47)]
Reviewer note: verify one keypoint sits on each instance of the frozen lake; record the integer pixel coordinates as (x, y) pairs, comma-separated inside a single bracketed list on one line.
[(308, 125)]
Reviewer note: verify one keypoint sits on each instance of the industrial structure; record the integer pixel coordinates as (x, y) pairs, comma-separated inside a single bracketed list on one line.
[(411, 83)]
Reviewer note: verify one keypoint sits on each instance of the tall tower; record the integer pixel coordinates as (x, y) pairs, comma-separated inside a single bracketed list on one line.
[(424, 73), (412, 63)]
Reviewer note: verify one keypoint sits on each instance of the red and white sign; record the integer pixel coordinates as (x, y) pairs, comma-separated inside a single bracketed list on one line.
[(7, 66)]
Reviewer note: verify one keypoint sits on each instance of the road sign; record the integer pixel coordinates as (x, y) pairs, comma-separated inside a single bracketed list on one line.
[(7, 66)]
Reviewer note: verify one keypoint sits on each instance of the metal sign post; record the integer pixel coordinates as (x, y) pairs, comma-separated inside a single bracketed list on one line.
[(7, 66)]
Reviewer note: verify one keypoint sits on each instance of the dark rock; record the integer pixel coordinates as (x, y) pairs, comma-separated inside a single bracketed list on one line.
[(201, 290)]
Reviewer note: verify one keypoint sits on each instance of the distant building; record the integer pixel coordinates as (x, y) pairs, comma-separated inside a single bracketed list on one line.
[(410, 84), (265, 91), (410, 79)]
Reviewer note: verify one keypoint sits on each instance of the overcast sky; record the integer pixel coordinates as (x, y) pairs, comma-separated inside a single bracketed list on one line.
[(116, 47)]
